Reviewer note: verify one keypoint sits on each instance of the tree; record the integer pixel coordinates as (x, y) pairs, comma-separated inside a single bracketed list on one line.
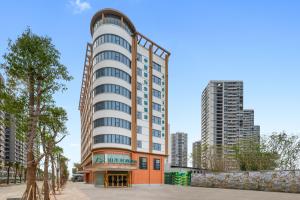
[(9, 165), (56, 152), (17, 166), (52, 126), (34, 74), (253, 156), (77, 167), (288, 149)]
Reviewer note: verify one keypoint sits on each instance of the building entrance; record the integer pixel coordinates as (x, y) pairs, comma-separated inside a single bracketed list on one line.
[(117, 179)]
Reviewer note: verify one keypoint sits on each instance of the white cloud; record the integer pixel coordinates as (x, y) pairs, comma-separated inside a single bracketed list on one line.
[(79, 7)]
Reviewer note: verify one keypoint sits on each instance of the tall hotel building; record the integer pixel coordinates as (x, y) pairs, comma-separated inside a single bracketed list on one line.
[(224, 123), (123, 104)]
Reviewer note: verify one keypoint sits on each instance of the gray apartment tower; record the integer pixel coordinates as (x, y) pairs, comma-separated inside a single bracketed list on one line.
[(12, 149), (224, 123), (197, 154), (2, 132), (179, 142)]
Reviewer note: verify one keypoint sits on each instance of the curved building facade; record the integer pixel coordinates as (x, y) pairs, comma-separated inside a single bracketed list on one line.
[(123, 104)]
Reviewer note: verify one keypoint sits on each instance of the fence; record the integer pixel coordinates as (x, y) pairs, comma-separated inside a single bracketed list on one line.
[(178, 178)]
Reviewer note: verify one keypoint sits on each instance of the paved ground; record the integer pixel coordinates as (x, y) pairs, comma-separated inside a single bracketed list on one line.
[(81, 191)]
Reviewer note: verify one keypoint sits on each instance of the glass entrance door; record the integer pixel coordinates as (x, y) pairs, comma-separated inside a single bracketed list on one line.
[(117, 180)]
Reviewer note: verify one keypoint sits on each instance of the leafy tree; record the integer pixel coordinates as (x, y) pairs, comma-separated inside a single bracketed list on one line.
[(288, 149), (52, 131), (253, 156), (55, 154), (34, 74)]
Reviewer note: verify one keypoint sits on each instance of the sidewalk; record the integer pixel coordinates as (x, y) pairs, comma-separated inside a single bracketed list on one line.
[(70, 192)]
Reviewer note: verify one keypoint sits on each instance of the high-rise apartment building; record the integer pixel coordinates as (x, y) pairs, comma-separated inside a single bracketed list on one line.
[(197, 154), (179, 154), (123, 104), (15, 148), (224, 123)]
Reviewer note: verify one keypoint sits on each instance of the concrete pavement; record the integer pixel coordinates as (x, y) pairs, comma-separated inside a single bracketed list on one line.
[(82, 191)]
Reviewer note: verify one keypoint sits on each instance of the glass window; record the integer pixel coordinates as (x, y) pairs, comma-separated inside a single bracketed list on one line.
[(156, 164), (112, 105), (139, 86), (111, 121), (143, 164), (139, 144), (110, 88), (156, 80), (139, 129), (112, 55), (112, 138), (156, 66), (156, 93), (139, 100), (139, 115), (139, 71), (156, 133), (156, 146)]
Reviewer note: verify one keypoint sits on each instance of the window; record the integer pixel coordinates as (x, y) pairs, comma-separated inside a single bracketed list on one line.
[(139, 71), (156, 120), (110, 71), (139, 57), (156, 133), (112, 19), (156, 93), (110, 38), (143, 163), (139, 100), (111, 88), (156, 80), (156, 146), (112, 55), (112, 138), (112, 105), (156, 66), (111, 121), (139, 86), (156, 164), (139, 129), (156, 107), (139, 144), (139, 115)]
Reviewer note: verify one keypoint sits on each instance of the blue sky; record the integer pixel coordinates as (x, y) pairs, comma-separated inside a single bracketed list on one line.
[(255, 41)]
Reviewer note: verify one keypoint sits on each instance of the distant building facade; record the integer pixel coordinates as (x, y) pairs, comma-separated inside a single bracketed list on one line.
[(2, 132), (197, 154), (224, 123), (15, 148), (179, 153)]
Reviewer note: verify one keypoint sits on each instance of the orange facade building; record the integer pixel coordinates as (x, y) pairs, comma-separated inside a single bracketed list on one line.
[(123, 105)]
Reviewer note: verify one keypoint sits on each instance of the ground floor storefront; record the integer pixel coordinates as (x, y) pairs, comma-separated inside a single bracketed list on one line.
[(120, 168)]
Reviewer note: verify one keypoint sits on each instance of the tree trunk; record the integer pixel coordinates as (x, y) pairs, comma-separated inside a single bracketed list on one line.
[(46, 177), (7, 180), (31, 177), (25, 172), (20, 175), (16, 170), (53, 174)]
